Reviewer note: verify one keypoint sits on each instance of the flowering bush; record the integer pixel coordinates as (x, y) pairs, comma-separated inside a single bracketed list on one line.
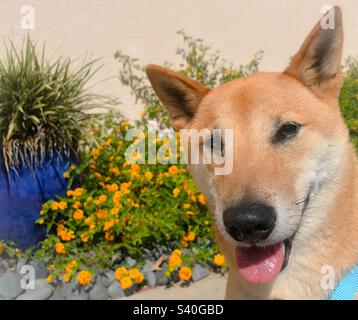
[(116, 209)]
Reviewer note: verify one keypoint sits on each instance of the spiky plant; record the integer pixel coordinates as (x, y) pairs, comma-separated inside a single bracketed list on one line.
[(42, 104)]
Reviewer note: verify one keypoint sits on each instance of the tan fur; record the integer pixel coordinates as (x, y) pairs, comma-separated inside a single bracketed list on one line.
[(252, 106)]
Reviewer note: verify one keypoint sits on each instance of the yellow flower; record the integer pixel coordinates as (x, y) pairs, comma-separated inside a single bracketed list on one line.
[(178, 252), (219, 259), (62, 205), (185, 273), (173, 169), (54, 206), (72, 264), (186, 205), (41, 221), (199, 74), (95, 153), (120, 273), (126, 283), (84, 237), (148, 175), (78, 214), (50, 278), (112, 187), (84, 278), (202, 199), (60, 248), (98, 175), (2, 248), (67, 277), (66, 175), (176, 191)]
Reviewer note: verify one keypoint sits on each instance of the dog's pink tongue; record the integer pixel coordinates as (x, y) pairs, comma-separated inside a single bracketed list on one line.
[(260, 265)]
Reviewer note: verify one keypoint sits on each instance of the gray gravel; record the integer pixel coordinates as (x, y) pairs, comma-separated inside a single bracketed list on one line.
[(10, 285), (115, 291), (37, 294)]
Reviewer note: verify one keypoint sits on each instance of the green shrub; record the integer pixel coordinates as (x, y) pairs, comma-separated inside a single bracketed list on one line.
[(123, 209), (349, 98), (42, 104)]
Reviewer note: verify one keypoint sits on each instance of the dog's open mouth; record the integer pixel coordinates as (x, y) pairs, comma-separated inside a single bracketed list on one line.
[(263, 264)]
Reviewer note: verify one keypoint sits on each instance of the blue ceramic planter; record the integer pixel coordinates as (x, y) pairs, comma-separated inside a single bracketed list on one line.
[(22, 195)]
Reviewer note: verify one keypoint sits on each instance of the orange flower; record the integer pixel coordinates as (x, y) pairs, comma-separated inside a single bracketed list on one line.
[(202, 199), (148, 175), (219, 259), (120, 273), (174, 260), (190, 236), (115, 211), (126, 282), (78, 214), (2, 248), (185, 273), (50, 278), (109, 236), (102, 213), (134, 273), (66, 175), (77, 205), (173, 169), (176, 191), (112, 187), (84, 278), (60, 248), (62, 205), (115, 171)]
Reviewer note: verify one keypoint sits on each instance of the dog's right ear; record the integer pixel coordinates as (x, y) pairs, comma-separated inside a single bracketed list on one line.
[(180, 95)]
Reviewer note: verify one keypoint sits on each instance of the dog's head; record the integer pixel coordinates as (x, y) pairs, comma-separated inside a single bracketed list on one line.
[(288, 147)]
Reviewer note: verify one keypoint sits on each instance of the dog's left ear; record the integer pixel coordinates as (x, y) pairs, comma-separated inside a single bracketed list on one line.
[(180, 95), (317, 64)]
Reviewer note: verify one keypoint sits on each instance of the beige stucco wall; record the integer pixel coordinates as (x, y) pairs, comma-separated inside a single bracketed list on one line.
[(147, 29)]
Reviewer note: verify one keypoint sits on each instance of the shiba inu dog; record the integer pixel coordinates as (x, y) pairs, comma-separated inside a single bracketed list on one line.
[(289, 208)]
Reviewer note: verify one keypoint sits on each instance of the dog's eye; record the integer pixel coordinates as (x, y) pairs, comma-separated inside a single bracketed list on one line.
[(286, 131), (215, 145)]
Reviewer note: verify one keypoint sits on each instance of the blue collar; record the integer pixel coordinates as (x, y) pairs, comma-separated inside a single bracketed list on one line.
[(347, 288)]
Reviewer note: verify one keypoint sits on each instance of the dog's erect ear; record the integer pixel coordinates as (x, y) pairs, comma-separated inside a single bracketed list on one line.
[(180, 95), (317, 64)]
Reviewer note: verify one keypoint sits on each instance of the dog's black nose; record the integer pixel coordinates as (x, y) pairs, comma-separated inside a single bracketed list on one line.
[(250, 221)]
